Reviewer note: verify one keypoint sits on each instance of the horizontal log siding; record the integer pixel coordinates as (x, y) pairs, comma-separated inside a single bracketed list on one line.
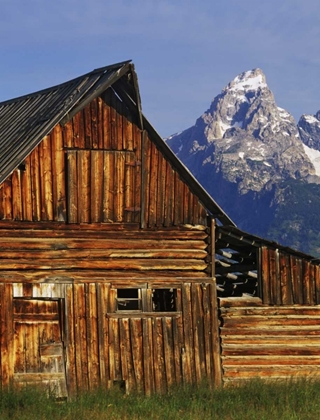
[(268, 342), (183, 250), (89, 171), (149, 351), (287, 279)]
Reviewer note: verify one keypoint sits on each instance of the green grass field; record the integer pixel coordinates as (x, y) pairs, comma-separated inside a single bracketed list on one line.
[(254, 400)]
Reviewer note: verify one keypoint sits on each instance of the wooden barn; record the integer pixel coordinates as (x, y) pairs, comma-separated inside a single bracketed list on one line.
[(118, 269)]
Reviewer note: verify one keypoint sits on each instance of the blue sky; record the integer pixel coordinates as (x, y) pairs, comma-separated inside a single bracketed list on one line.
[(184, 51)]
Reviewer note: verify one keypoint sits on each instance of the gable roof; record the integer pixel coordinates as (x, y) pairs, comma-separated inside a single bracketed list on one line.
[(26, 120)]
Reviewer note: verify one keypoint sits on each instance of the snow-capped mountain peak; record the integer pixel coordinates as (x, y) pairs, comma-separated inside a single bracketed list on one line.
[(245, 135), (257, 163), (248, 81)]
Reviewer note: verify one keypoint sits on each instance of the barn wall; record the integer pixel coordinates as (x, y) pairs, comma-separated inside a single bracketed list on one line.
[(148, 351), (31, 250), (99, 167), (287, 279), (270, 342)]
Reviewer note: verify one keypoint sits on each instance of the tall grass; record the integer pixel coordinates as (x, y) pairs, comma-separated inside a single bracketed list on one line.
[(252, 400)]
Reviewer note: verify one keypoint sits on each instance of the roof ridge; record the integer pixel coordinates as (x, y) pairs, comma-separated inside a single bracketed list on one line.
[(74, 80)]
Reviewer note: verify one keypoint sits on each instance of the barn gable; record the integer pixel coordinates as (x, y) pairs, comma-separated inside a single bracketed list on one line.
[(87, 140)]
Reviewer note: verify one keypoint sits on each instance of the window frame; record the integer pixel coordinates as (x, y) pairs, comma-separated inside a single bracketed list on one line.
[(145, 297)]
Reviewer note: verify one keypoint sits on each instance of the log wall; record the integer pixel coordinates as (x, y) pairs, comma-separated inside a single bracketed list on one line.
[(287, 279), (36, 251), (99, 167), (270, 342)]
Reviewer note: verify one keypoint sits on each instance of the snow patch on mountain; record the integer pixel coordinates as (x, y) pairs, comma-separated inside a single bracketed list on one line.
[(314, 156)]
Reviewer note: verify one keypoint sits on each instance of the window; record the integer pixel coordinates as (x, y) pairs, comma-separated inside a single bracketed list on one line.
[(129, 300), (164, 300), (146, 299)]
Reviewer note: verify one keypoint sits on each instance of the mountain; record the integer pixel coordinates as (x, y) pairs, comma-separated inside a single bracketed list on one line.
[(255, 161)]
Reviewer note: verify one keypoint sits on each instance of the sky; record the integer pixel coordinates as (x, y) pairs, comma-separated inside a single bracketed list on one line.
[(184, 51)]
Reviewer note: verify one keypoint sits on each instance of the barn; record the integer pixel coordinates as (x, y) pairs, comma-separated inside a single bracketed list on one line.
[(118, 269)]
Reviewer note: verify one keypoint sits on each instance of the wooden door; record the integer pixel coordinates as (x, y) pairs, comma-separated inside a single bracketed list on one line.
[(38, 345)]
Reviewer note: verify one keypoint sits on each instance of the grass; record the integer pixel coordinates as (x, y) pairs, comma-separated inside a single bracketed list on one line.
[(253, 400)]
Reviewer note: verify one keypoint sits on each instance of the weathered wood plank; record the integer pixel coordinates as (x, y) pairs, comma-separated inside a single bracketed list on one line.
[(81, 337), (26, 190), (188, 368), (6, 334), (84, 186), (153, 185), (35, 185), (197, 333), (94, 123), (92, 335), (168, 350), (138, 183), (136, 334), (87, 127), (110, 264), (46, 179), (265, 276), (103, 253), (102, 299), (70, 323), (113, 121), (7, 198), (178, 345), (77, 139), (125, 353), (72, 186), (106, 120), (129, 187), (145, 172), (58, 175), (158, 355), (16, 195), (148, 366), (119, 187), (97, 186), (277, 349), (215, 336), (108, 188)]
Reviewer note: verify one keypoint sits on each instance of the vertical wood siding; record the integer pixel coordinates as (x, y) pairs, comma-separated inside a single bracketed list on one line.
[(96, 169), (145, 351), (6, 334), (287, 279)]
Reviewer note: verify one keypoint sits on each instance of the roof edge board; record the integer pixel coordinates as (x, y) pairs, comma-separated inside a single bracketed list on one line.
[(137, 92), (96, 92), (111, 67)]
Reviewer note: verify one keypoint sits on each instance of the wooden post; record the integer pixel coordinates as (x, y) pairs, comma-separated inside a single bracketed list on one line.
[(213, 247), (215, 333), (216, 348), (144, 174)]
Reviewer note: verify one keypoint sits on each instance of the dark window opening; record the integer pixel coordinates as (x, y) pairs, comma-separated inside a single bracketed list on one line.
[(128, 300), (164, 300)]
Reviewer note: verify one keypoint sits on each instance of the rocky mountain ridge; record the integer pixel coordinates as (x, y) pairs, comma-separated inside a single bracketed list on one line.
[(246, 151)]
